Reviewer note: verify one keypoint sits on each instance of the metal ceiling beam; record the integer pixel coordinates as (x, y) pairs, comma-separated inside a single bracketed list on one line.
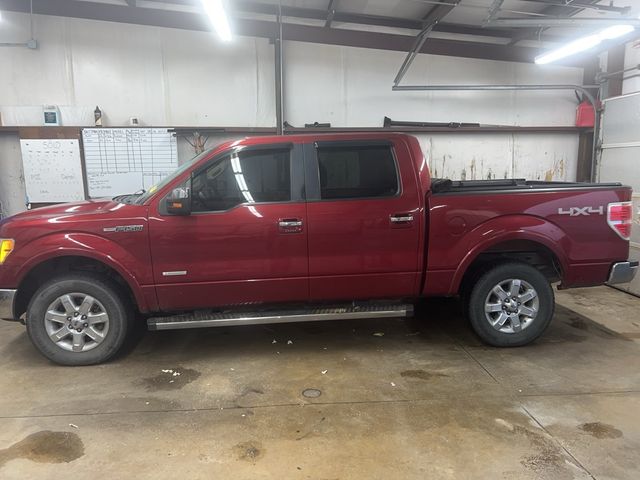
[(268, 29), (551, 11), (484, 31), (433, 16), (319, 14), (494, 10), (438, 12), (563, 22), (387, 41), (421, 38), (583, 4), (331, 12), (372, 20)]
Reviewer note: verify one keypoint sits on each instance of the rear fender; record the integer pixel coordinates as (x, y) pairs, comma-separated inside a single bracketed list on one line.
[(507, 228)]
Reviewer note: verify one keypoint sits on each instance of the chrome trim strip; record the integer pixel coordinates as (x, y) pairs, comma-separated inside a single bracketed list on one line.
[(165, 323), (124, 228), (174, 274), (6, 304), (622, 272)]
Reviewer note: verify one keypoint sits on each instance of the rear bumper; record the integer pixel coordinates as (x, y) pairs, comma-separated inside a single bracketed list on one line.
[(6, 304), (622, 272)]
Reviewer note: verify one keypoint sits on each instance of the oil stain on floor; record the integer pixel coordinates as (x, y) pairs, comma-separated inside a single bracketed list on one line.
[(45, 447), (600, 430), (546, 459), (171, 379)]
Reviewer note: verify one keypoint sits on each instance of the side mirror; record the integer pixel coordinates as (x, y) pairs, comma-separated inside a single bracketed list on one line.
[(178, 202)]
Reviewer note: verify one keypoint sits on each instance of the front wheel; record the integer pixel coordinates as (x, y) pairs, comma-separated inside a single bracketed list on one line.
[(511, 305), (79, 319)]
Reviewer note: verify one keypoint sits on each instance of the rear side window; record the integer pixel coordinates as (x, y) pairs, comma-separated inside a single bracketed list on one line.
[(254, 176), (357, 172)]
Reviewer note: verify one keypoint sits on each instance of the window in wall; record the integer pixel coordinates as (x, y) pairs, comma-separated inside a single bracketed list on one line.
[(254, 176), (357, 172)]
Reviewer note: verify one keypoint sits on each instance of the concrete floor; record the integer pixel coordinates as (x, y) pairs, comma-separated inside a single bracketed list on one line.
[(424, 400)]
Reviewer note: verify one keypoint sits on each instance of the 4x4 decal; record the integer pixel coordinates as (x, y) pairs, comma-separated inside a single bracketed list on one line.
[(577, 211)]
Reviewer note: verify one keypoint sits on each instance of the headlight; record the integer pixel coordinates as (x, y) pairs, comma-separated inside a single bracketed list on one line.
[(6, 247)]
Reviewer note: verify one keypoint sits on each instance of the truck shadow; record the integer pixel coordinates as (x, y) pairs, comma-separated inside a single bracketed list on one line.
[(437, 324)]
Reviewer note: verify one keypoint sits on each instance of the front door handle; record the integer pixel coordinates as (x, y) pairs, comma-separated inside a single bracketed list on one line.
[(290, 225), (401, 218)]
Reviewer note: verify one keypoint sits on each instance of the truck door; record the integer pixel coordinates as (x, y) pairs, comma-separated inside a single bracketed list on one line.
[(246, 238), (364, 220)]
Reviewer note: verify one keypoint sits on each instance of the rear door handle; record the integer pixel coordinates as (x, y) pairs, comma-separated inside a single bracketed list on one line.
[(290, 225)]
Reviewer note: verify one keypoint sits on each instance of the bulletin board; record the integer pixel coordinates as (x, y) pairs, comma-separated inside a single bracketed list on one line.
[(52, 170)]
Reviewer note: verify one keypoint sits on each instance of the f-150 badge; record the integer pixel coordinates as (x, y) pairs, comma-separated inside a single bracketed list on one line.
[(124, 228), (577, 211)]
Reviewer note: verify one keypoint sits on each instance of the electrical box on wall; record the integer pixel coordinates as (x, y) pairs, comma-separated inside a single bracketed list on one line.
[(51, 115)]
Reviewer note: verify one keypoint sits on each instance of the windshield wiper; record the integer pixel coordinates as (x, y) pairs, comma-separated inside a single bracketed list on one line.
[(128, 197)]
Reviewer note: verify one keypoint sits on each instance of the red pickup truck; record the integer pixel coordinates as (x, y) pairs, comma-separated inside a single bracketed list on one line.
[(307, 227)]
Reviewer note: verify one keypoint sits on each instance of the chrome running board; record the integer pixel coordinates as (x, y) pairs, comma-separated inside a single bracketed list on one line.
[(209, 318)]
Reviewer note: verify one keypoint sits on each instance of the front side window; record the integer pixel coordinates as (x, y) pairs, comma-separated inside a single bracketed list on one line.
[(254, 176), (357, 172)]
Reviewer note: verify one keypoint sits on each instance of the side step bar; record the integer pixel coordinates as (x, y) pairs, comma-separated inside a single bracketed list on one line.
[(209, 318)]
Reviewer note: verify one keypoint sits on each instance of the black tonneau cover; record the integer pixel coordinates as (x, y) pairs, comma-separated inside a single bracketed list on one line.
[(444, 185)]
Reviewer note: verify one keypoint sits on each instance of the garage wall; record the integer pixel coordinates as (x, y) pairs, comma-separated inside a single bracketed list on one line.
[(170, 77), (352, 87), (164, 76)]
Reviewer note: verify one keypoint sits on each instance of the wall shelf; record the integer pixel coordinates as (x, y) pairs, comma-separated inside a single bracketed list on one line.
[(213, 130)]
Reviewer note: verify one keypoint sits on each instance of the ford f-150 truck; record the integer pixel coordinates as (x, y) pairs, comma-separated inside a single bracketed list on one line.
[(306, 227)]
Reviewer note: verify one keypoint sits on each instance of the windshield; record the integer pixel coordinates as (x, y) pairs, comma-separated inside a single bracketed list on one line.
[(144, 196)]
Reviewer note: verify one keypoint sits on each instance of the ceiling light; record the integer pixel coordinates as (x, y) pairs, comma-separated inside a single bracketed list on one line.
[(218, 17), (584, 43), (616, 31)]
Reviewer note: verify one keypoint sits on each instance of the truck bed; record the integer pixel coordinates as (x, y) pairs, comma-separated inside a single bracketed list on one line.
[(447, 186)]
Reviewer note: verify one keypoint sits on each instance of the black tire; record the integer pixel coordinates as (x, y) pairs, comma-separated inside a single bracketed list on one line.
[(106, 292), (479, 296)]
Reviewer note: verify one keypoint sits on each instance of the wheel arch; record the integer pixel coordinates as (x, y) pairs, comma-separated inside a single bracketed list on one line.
[(536, 250), (45, 267)]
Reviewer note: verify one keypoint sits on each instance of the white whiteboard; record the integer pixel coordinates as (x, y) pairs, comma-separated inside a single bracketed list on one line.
[(52, 170), (125, 160)]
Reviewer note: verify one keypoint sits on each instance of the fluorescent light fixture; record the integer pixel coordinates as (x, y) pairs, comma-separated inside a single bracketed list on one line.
[(580, 45), (218, 17), (616, 31), (584, 43)]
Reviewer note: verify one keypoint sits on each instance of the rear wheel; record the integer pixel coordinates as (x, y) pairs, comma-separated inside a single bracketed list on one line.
[(79, 319), (510, 305)]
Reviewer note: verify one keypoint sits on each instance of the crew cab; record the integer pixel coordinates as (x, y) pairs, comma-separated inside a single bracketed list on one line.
[(307, 227)]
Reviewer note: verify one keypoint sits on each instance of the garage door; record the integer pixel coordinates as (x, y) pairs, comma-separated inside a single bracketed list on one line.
[(620, 158)]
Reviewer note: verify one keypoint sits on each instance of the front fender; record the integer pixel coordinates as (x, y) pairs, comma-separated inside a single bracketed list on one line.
[(133, 269), (508, 228)]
